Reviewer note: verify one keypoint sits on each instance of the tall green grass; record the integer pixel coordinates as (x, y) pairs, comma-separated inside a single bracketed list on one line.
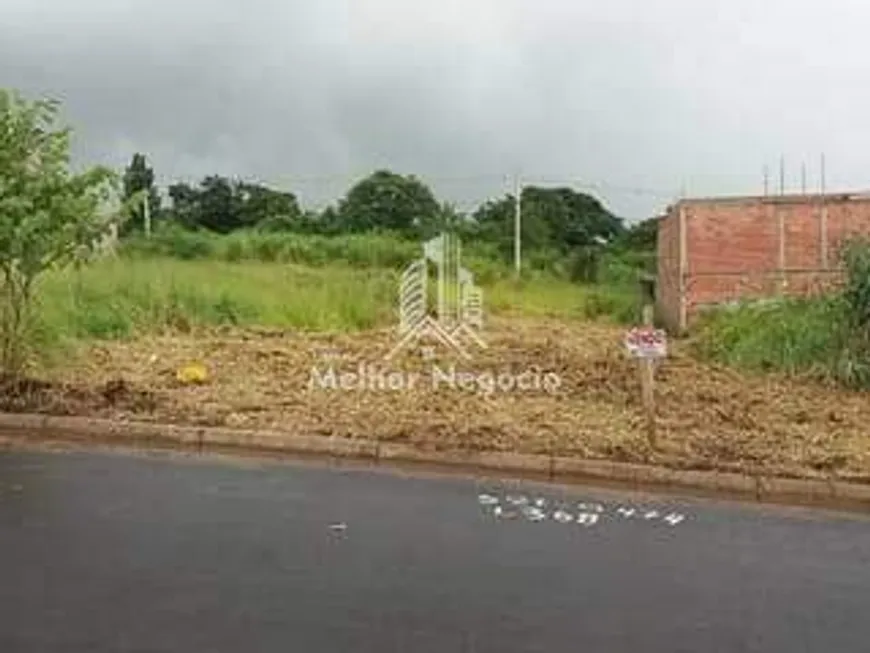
[(793, 336), (180, 279), (548, 297), (119, 298), (827, 337), (380, 250), (376, 250)]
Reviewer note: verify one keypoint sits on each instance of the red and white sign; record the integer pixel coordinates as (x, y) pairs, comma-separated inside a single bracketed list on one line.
[(647, 342)]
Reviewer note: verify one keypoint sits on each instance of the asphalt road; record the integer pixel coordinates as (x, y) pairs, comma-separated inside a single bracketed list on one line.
[(121, 553)]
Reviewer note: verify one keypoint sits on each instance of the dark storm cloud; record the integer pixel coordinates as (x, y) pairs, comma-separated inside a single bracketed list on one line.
[(627, 93)]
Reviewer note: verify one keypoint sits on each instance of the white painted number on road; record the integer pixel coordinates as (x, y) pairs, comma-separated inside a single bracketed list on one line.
[(500, 512), (584, 514), (673, 519), (587, 519), (534, 514)]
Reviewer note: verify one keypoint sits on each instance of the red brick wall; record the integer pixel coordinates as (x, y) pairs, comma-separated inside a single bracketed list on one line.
[(736, 250), (668, 283)]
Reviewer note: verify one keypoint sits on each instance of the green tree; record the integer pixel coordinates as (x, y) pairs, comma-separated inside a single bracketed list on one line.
[(327, 222), (223, 205), (185, 204), (220, 207), (641, 236), (447, 218), (269, 209), (496, 221), (49, 217), (389, 201), (139, 183), (572, 220), (557, 219), (215, 205)]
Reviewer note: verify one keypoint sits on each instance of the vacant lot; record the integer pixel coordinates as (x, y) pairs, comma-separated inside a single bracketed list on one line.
[(710, 417)]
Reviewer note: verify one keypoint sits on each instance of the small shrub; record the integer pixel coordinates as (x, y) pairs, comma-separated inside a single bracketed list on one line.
[(234, 251), (188, 245), (584, 265), (267, 248), (620, 306), (50, 217)]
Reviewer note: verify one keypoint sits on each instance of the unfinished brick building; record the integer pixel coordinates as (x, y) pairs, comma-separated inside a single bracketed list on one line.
[(714, 251)]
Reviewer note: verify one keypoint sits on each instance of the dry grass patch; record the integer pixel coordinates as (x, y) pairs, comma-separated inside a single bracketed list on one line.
[(710, 417)]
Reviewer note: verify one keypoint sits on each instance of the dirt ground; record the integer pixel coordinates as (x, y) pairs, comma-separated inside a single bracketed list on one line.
[(708, 417)]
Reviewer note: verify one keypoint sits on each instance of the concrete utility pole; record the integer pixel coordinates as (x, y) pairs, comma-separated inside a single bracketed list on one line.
[(146, 206), (518, 220)]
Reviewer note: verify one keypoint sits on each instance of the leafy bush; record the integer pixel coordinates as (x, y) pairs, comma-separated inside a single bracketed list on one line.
[(794, 335), (826, 337), (50, 218), (584, 264), (621, 306)]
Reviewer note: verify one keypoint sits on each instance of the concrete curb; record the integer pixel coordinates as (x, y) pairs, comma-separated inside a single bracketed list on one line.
[(821, 492)]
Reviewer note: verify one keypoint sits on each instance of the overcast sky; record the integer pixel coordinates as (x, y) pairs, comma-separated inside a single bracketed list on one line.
[(654, 95)]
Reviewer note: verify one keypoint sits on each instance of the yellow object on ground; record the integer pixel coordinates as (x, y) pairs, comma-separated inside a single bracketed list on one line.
[(192, 373)]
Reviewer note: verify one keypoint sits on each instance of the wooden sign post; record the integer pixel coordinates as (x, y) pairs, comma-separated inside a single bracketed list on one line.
[(647, 344), (647, 384)]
